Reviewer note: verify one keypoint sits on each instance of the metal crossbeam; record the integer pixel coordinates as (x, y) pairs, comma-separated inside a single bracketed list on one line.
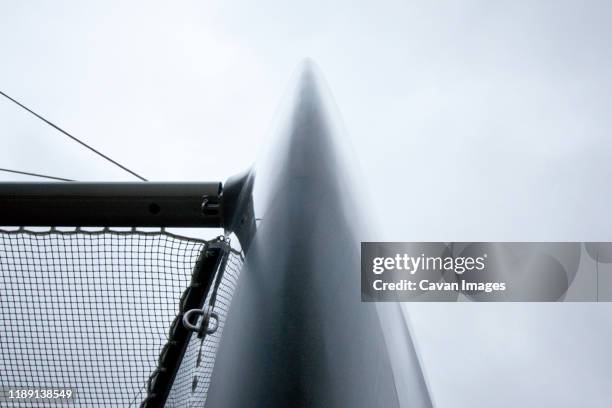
[(135, 204)]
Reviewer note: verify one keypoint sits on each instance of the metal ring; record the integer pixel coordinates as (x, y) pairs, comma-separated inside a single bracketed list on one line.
[(187, 319), (203, 327)]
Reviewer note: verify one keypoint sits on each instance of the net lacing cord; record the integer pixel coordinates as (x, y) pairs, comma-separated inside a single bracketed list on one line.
[(108, 230), (211, 306), (190, 388), (207, 310)]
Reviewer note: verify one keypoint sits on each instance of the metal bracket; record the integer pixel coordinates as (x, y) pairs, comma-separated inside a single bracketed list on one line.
[(211, 205)]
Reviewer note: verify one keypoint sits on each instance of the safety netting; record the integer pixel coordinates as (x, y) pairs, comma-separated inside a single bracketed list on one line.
[(92, 311)]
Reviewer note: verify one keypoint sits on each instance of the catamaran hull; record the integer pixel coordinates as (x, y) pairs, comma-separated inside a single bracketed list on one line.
[(297, 334)]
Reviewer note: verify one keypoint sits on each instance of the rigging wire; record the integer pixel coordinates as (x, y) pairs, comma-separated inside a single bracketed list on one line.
[(35, 175), (72, 137)]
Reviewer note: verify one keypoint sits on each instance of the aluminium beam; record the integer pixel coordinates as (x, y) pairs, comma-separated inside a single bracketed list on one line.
[(111, 204)]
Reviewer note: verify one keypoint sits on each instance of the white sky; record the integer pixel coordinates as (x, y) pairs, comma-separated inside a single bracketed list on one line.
[(471, 120)]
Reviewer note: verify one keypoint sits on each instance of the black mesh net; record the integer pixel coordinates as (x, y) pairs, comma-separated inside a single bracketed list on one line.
[(91, 310)]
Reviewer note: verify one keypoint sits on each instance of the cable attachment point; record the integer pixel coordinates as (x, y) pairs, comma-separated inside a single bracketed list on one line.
[(204, 327), (210, 205)]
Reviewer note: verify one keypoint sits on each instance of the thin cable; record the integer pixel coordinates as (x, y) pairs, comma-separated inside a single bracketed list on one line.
[(72, 137), (35, 175)]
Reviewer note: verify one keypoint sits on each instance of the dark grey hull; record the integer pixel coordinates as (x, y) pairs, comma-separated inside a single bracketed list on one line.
[(297, 334)]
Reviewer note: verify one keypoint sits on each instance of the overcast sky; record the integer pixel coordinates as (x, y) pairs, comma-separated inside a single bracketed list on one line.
[(470, 120)]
